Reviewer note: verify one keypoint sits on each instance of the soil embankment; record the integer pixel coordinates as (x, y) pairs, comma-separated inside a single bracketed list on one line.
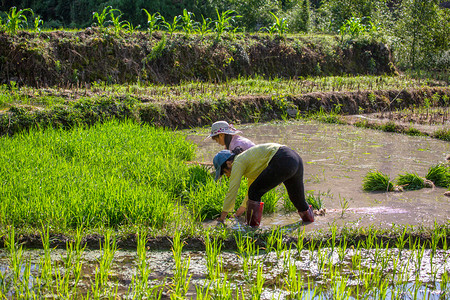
[(73, 58)]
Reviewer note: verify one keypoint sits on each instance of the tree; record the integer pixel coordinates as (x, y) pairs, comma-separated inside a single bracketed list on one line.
[(415, 29)]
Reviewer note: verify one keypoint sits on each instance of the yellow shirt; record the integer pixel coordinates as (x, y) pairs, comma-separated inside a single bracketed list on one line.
[(250, 164)]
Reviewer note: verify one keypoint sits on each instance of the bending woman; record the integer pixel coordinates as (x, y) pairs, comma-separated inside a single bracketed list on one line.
[(226, 135), (265, 166)]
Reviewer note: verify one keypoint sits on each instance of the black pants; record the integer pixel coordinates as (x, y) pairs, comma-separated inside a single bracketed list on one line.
[(286, 167)]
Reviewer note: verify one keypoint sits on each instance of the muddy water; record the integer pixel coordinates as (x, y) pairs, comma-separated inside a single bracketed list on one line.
[(337, 157)]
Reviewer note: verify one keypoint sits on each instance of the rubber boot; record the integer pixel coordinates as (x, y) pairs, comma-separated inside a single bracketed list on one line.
[(307, 215), (254, 212)]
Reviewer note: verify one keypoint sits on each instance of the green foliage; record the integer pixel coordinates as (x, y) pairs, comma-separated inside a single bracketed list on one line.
[(414, 28), (331, 117), (280, 26), (224, 22), (299, 17), (439, 174), (129, 28), (188, 23), (38, 22), (16, 19), (355, 27), (315, 201), (101, 17), (115, 20), (205, 200), (171, 27), (337, 12), (158, 49), (204, 27), (410, 181), (152, 21), (389, 127), (108, 175), (377, 181)]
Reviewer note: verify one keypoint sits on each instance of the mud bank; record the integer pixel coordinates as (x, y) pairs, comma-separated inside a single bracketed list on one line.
[(268, 108), (164, 243), (189, 114), (67, 58)]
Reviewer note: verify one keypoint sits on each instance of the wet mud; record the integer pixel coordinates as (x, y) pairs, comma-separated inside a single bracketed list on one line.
[(336, 159)]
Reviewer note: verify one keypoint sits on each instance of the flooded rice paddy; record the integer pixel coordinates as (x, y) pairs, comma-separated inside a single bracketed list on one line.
[(336, 159), (304, 274)]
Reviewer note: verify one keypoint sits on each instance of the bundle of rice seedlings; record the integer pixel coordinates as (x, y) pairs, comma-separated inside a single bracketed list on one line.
[(377, 181), (439, 174), (410, 181), (315, 201)]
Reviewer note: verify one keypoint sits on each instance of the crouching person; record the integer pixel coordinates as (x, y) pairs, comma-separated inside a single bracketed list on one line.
[(265, 166)]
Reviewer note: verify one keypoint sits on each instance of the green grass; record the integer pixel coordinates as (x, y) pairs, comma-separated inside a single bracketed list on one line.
[(377, 181), (410, 181), (110, 175)]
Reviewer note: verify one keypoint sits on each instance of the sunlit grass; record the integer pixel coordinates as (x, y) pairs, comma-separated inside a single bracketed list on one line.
[(108, 175)]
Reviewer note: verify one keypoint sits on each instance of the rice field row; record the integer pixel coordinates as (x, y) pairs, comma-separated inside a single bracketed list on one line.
[(207, 91), (309, 269)]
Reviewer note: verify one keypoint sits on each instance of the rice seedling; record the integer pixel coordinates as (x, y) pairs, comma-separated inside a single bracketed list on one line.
[(315, 201), (102, 271), (45, 264), (377, 181), (256, 288), (300, 240), (344, 205), (294, 282), (202, 293), (212, 91), (439, 174), (68, 277), (410, 181), (287, 256), (181, 280), (339, 288), (17, 280), (249, 261), (401, 240), (213, 249), (140, 279)]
